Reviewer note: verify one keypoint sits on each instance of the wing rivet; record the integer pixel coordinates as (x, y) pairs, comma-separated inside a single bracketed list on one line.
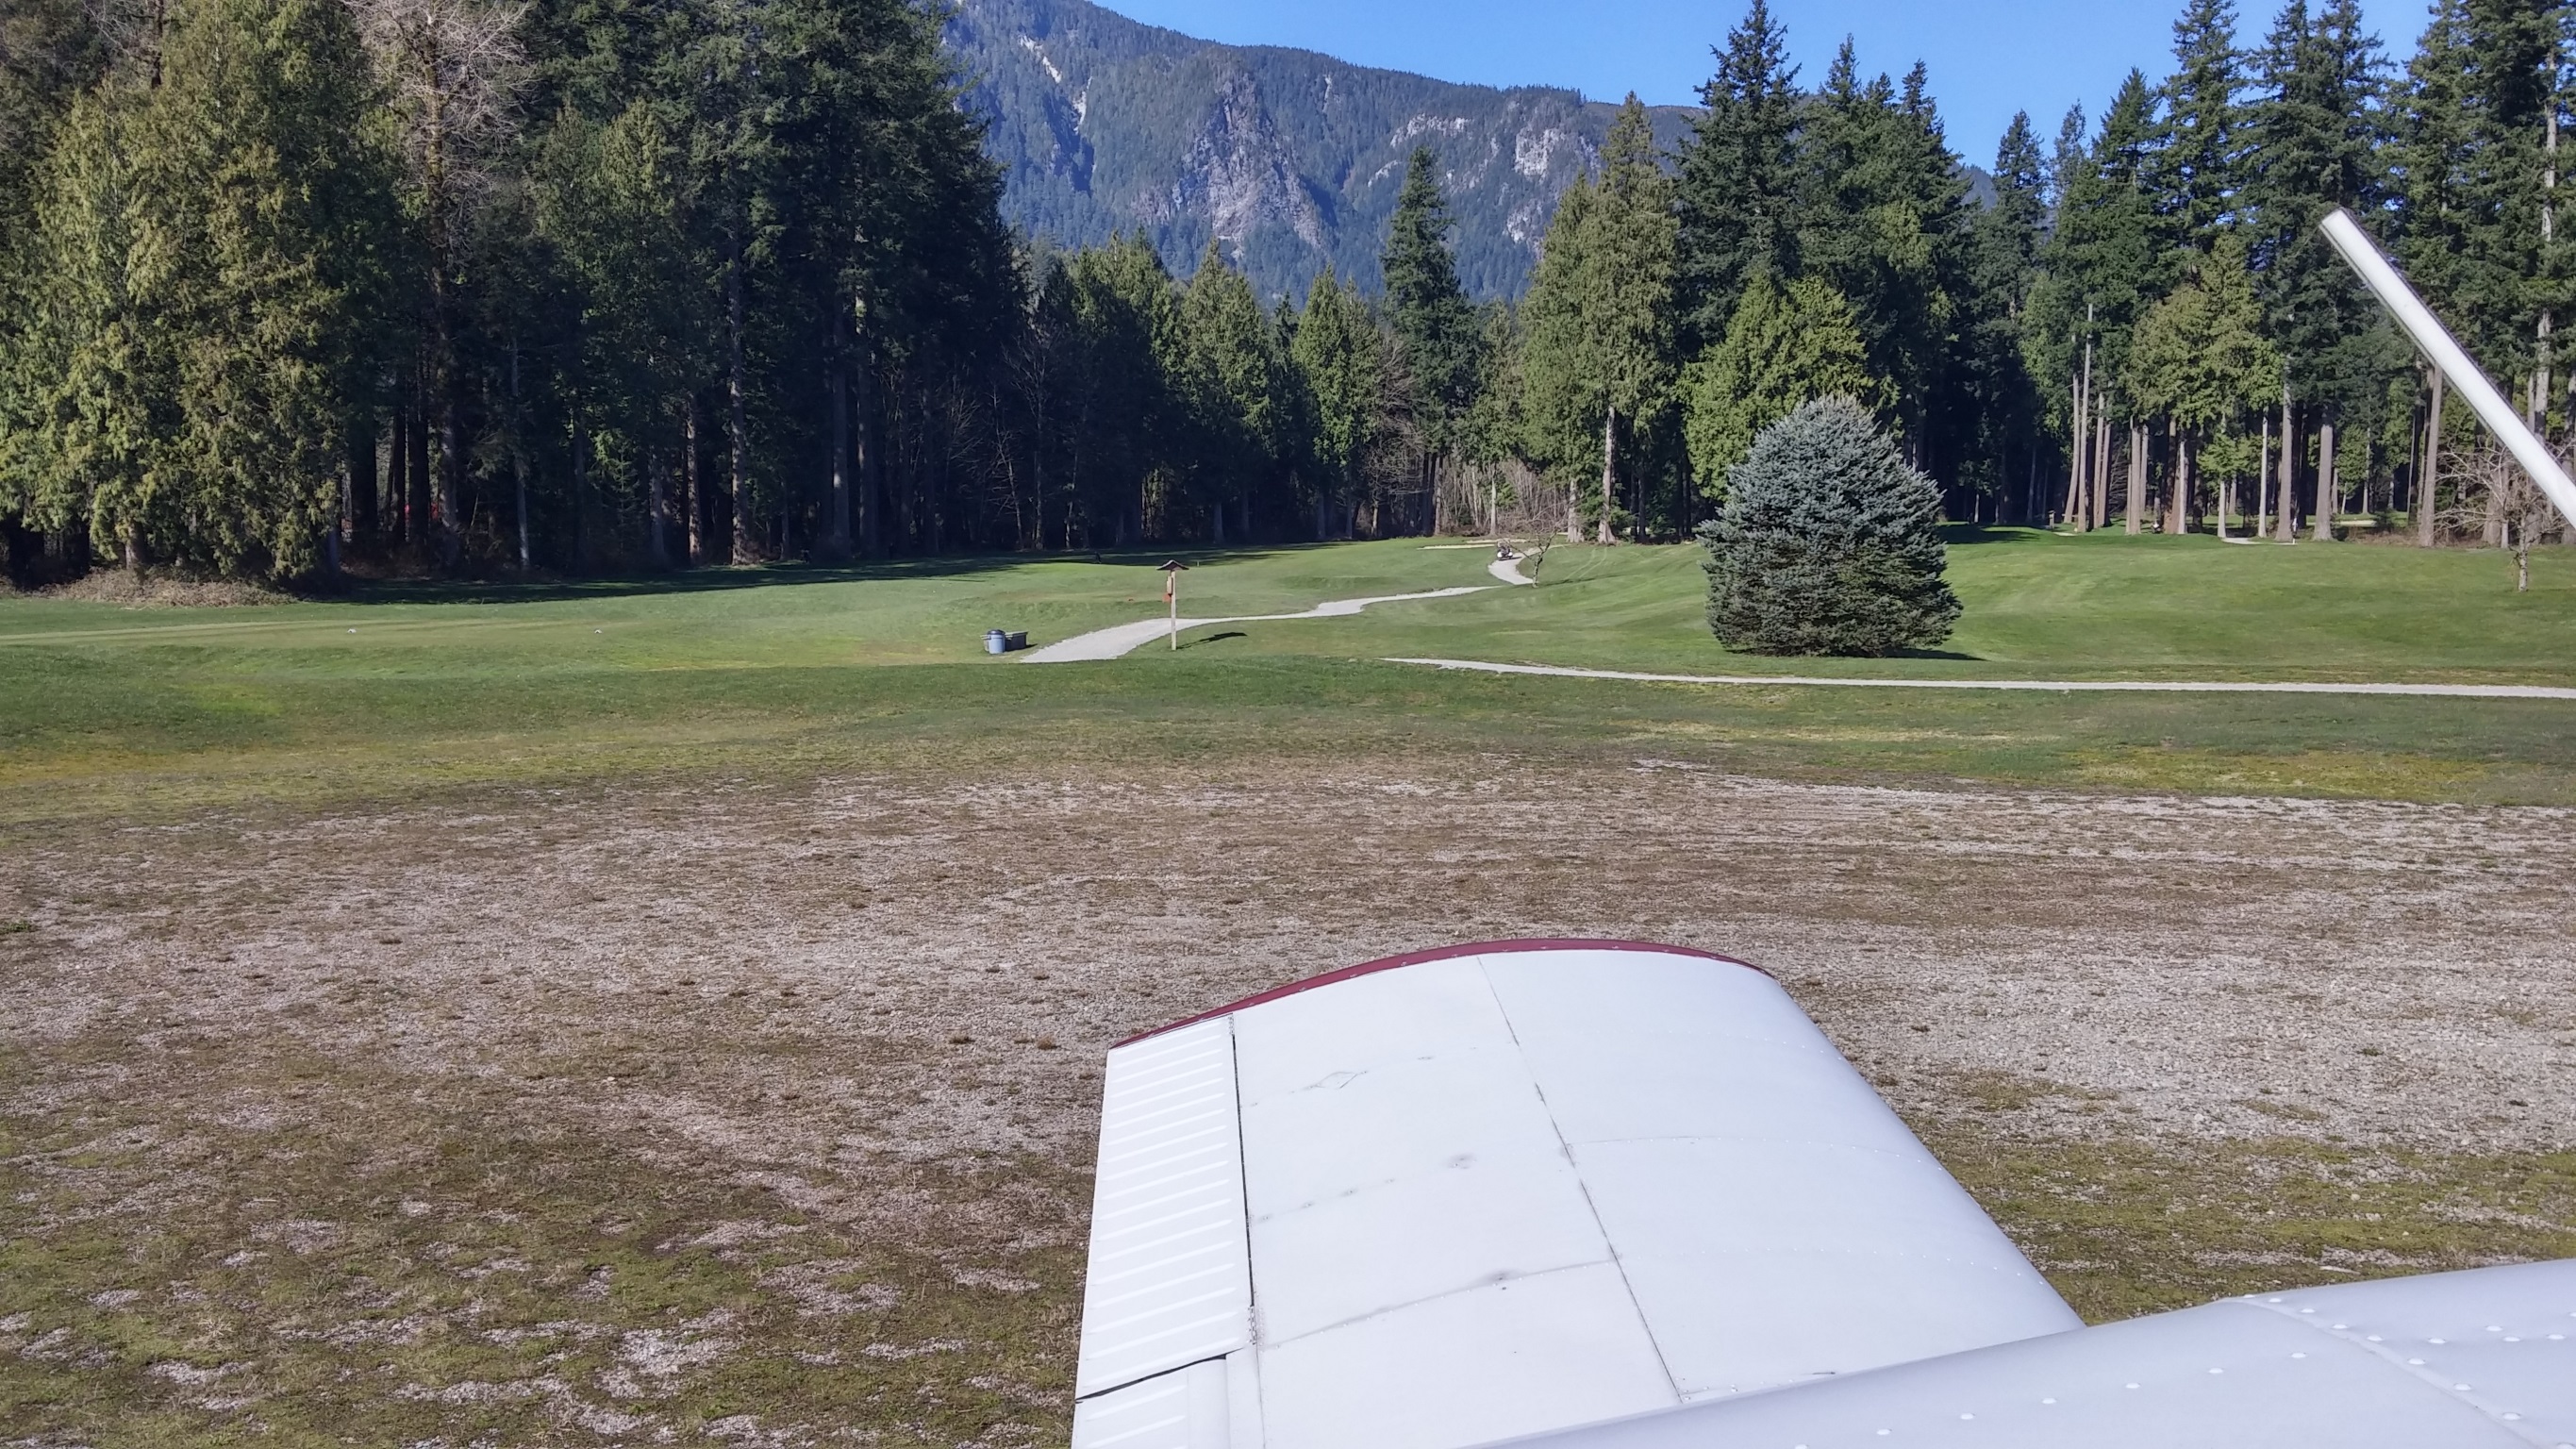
[(2298, 1355), (2048, 1401), (2133, 1386), (1967, 1416), (2463, 1388), (2218, 1371), (2432, 1340)]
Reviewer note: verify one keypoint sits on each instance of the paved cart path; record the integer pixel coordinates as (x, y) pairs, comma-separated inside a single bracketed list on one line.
[(2144, 686), (1119, 639)]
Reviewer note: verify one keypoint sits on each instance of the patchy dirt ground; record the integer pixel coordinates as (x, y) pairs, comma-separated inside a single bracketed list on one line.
[(761, 1114)]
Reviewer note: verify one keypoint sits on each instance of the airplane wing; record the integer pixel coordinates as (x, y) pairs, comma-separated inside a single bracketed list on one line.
[(1496, 1190), (2442, 1361)]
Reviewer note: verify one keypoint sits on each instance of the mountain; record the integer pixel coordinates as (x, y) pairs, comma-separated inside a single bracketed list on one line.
[(1290, 159)]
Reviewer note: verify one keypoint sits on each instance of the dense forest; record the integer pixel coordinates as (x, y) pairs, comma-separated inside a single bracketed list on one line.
[(292, 288)]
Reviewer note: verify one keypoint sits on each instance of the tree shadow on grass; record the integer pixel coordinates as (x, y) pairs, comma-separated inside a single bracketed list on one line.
[(1962, 535), (724, 578)]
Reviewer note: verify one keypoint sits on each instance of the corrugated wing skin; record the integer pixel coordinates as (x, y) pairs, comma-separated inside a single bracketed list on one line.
[(1169, 1282)]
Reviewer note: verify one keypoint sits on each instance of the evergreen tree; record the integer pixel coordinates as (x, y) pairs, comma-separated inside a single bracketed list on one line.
[(2199, 360), (1434, 326), (2195, 151), (1561, 394), (1784, 348), (1830, 543), (1884, 222), (2316, 134), (1737, 189), (1234, 389), (2105, 260), (1990, 367), (1339, 366), (2435, 153), (1627, 296)]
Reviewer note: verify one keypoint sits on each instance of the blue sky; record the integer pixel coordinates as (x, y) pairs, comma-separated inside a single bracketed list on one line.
[(1987, 58)]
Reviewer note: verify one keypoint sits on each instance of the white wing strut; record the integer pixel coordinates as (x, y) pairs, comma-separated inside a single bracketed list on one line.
[(2435, 340)]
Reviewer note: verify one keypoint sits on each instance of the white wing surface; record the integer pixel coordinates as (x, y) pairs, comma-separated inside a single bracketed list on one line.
[(1506, 1189), (2446, 1361)]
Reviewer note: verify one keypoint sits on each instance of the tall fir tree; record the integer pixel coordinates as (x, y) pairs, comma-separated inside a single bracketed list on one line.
[(1736, 190), (1338, 362), (1434, 325), (2106, 258), (2316, 137), (2002, 402), (1884, 221), (2195, 154)]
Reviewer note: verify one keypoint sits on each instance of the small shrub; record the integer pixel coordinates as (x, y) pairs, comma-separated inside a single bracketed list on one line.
[(1829, 544)]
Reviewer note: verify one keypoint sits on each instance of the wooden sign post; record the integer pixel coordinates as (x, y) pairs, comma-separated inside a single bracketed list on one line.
[(1172, 597)]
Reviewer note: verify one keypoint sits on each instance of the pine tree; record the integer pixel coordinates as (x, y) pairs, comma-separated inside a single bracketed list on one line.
[(1560, 389), (1830, 543), (1884, 221), (1233, 389), (1428, 309), (1337, 358), (2105, 262), (1990, 367), (1628, 295), (2195, 153), (1784, 348), (2316, 146), (2198, 360), (1599, 360), (1737, 192)]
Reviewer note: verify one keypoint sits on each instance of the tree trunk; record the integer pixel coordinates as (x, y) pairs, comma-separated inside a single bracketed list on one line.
[(2178, 490), (2429, 477), (871, 459), (581, 540), (2263, 482), (2137, 480), (1609, 470), (398, 478), (737, 426), (451, 468), (2098, 507), (2323, 527), (362, 477), (420, 523), (518, 457), (690, 479), (2286, 525), (840, 443), (656, 509), (2079, 440)]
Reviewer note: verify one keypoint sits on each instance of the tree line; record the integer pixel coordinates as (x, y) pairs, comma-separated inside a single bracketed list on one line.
[(456, 285)]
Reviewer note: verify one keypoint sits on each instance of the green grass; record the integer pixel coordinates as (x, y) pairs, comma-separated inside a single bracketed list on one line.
[(404, 689)]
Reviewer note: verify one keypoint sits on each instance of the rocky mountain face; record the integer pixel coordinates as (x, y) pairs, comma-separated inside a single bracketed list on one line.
[(1288, 159)]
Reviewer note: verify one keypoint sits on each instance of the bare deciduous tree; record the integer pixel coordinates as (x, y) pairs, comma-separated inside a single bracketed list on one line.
[(2498, 499)]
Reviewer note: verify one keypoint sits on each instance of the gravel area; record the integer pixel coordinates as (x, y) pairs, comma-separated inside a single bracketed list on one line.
[(2391, 973)]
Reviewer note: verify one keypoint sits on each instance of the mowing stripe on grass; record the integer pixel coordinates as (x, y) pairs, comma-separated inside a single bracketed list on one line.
[(2142, 686)]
